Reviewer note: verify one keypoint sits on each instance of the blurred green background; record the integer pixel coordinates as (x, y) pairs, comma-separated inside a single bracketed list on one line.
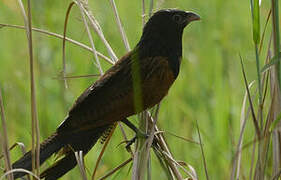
[(209, 87)]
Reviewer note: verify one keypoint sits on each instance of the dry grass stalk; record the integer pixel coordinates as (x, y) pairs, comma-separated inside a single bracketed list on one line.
[(243, 120), (142, 153), (163, 147), (116, 169), (21, 145), (63, 43), (190, 173), (19, 170), (120, 26), (143, 13), (179, 137), (90, 37), (80, 161), (94, 23), (60, 37), (35, 123), (77, 77)]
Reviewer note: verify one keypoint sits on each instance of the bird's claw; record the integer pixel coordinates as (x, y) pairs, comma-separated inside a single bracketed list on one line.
[(130, 142), (139, 134)]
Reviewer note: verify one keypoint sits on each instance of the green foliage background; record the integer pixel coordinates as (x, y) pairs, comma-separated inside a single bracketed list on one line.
[(209, 88)]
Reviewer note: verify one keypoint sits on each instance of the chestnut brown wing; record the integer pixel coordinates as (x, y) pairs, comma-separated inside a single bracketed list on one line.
[(112, 97)]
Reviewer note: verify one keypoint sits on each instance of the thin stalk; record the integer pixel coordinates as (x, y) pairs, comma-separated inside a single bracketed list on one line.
[(259, 85), (243, 119), (78, 76), (164, 146), (143, 13), (276, 35), (202, 151), (35, 151), (191, 174), (250, 101), (150, 7), (90, 36), (63, 43), (116, 169), (276, 84), (60, 37), (19, 170), (80, 161), (4, 139), (120, 27), (98, 30), (21, 145)]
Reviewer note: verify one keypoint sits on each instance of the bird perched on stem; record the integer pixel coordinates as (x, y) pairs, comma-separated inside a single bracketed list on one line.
[(138, 81)]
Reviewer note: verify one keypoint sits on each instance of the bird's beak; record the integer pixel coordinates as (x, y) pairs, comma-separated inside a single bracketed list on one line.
[(191, 16)]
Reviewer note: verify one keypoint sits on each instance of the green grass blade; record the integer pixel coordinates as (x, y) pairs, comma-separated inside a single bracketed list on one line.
[(273, 61), (275, 122), (256, 21)]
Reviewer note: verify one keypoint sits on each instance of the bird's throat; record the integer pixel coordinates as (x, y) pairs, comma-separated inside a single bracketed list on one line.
[(169, 46)]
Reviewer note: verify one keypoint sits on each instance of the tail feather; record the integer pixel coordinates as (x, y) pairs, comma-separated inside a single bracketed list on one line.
[(84, 142), (51, 145), (68, 143), (60, 168)]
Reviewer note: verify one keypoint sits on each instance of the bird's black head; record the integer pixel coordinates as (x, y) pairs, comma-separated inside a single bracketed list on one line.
[(162, 35), (171, 20)]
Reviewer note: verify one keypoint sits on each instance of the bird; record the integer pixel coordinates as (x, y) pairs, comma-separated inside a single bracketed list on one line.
[(136, 82)]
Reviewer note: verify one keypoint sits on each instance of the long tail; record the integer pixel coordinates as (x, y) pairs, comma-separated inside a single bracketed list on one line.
[(68, 143), (83, 141), (50, 146)]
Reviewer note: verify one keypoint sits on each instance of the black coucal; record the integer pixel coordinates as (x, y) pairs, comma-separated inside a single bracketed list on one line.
[(138, 81)]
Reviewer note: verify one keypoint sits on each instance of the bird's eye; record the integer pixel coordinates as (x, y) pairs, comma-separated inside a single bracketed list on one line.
[(177, 18)]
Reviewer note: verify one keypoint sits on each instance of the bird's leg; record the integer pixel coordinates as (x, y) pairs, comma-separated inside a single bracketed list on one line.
[(139, 133)]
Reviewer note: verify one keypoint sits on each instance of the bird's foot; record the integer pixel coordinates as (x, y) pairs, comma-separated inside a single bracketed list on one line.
[(139, 134), (130, 142)]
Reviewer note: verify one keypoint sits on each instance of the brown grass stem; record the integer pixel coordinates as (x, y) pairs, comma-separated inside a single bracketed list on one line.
[(250, 100), (116, 169), (63, 43)]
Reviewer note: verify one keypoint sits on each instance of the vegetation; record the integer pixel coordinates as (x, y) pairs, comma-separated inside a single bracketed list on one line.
[(210, 91)]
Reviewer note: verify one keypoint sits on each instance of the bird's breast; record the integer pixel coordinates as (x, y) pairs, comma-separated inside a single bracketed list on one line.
[(157, 83)]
